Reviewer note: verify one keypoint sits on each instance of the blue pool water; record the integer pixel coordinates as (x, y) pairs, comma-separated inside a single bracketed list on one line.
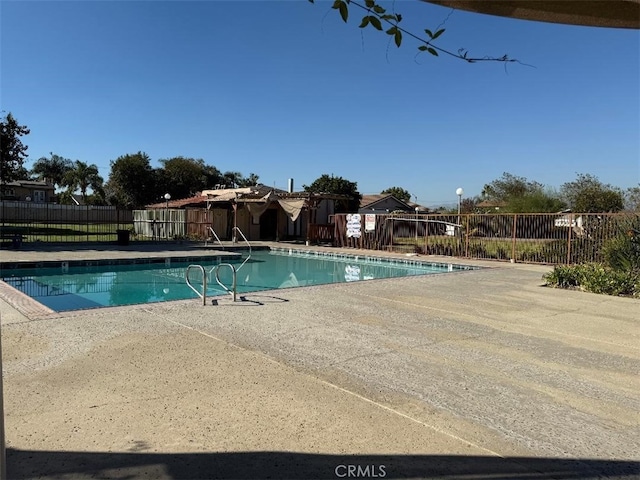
[(64, 288)]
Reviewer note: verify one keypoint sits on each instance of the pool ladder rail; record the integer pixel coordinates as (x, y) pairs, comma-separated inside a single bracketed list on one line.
[(216, 271), (237, 229), (203, 295), (215, 235)]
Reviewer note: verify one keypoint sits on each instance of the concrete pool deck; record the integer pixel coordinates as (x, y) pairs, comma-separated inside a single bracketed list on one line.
[(478, 374)]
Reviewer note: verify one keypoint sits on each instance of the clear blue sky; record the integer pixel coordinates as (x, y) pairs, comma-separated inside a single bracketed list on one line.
[(286, 89)]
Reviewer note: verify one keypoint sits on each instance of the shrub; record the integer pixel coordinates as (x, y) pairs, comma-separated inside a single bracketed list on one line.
[(563, 276), (623, 252), (595, 278)]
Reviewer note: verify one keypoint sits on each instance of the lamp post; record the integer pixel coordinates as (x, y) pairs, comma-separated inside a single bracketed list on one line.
[(167, 197), (459, 193)]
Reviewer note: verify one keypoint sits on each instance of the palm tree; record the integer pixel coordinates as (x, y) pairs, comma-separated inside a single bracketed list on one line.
[(81, 177), (53, 169), (250, 181)]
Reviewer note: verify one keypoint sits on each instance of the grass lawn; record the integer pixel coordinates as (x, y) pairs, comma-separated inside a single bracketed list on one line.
[(526, 250), (65, 232)]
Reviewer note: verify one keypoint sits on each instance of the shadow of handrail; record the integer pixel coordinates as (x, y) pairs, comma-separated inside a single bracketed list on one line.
[(26, 464)]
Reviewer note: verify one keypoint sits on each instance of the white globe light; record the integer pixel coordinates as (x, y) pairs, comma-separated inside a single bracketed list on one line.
[(459, 192), (167, 196)]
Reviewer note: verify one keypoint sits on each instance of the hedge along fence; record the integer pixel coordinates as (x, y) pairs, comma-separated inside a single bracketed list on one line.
[(533, 238)]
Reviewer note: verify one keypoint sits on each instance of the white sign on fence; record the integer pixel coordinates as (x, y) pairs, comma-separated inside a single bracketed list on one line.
[(369, 222), (353, 225), (568, 221)]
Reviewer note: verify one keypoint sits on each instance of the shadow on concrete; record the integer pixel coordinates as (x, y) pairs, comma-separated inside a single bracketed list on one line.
[(252, 300), (24, 464)]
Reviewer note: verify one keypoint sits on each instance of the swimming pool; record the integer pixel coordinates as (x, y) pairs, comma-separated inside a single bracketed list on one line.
[(77, 287)]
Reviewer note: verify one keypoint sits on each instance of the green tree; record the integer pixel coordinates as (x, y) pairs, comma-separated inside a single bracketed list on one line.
[(53, 169), (237, 180), (213, 175), (587, 194), (337, 185), (535, 202), (12, 150), (520, 195), (469, 205), (509, 186), (632, 199), (231, 179), (132, 183), (249, 181), (184, 177), (81, 177), (398, 192)]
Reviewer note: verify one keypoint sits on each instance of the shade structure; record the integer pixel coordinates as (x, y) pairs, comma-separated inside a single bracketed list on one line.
[(593, 13)]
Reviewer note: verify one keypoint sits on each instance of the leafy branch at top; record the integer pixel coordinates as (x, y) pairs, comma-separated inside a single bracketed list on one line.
[(376, 16)]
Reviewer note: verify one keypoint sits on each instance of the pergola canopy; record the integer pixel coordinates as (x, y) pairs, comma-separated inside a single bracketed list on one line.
[(593, 13)]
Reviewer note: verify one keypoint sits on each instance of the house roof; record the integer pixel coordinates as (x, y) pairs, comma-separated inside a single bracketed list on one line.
[(491, 204), (195, 201), (370, 201), (243, 195), (594, 13), (421, 208), (29, 183)]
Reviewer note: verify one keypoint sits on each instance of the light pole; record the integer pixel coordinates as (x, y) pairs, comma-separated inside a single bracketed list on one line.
[(459, 193), (167, 197)]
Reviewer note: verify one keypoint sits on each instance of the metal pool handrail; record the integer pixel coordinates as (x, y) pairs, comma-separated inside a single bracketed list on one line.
[(202, 295), (248, 244), (215, 236), (234, 281), (233, 290)]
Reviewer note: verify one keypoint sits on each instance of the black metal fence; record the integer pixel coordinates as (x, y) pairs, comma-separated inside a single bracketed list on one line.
[(563, 238), (49, 222)]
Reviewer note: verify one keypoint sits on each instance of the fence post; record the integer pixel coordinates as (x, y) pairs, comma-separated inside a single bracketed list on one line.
[(569, 239), (48, 216), (513, 239), (426, 235), (466, 238)]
